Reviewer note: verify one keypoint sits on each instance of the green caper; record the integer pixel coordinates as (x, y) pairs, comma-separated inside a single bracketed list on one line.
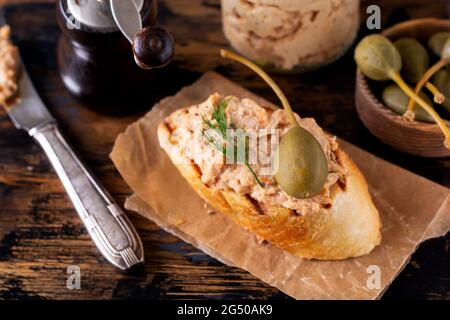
[(302, 165), (378, 58), (395, 99), (415, 59), (437, 41), (442, 81), (300, 160)]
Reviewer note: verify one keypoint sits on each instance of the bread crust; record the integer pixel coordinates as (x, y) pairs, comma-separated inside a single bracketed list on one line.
[(349, 228)]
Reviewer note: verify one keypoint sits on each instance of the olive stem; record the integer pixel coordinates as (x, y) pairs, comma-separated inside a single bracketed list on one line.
[(425, 78), (438, 97), (395, 76), (284, 101)]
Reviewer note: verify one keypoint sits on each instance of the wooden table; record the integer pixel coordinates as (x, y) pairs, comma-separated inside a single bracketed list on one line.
[(40, 233)]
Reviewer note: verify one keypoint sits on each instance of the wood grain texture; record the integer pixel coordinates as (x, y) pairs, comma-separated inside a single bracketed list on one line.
[(40, 233)]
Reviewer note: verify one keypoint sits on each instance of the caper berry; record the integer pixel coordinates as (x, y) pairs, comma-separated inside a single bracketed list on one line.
[(302, 167), (378, 58), (440, 44), (445, 53), (437, 41), (442, 81), (395, 99), (415, 59)]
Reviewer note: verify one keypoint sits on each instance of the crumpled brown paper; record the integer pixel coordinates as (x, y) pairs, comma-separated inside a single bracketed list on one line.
[(162, 195)]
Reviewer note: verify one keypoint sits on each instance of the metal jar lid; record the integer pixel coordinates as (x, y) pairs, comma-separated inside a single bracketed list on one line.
[(96, 13)]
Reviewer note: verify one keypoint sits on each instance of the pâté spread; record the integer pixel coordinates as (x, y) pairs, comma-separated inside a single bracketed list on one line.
[(291, 33), (9, 69), (247, 114)]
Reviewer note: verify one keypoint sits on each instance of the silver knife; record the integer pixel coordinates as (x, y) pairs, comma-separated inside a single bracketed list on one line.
[(108, 226)]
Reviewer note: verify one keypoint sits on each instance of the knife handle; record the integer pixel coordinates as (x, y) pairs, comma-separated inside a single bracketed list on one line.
[(108, 226)]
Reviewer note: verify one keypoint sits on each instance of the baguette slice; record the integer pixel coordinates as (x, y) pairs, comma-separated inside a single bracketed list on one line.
[(350, 228)]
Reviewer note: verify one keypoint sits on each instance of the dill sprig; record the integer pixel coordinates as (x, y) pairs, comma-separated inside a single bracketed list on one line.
[(219, 126)]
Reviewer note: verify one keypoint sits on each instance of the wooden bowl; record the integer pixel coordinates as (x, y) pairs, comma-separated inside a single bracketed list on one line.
[(417, 138)]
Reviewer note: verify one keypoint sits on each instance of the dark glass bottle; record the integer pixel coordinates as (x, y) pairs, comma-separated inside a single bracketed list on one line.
[(97, 65)]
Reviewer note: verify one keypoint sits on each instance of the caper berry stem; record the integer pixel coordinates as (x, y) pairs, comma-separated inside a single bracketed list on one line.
[(438, 96), (398, 79), (284, 101), (425, 78)]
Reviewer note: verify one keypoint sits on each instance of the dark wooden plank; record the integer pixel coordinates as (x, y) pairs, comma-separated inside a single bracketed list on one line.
[(40, 234)]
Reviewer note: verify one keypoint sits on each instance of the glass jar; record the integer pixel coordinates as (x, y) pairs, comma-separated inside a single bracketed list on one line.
[(291, 35)]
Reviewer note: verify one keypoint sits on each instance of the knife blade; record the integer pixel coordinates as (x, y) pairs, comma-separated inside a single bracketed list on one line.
[(22, 115), (108, 226)]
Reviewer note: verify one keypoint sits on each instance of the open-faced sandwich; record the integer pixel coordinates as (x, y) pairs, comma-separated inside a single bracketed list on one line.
[(313, 202)]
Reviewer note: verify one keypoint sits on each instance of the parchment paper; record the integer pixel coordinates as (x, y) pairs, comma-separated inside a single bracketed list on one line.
[(412, 209)]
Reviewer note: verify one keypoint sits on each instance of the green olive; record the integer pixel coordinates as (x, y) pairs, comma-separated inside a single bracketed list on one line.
[(437, 41), (442, 81), (378, 58), (302, 165), (395, 99), (415, 59)]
